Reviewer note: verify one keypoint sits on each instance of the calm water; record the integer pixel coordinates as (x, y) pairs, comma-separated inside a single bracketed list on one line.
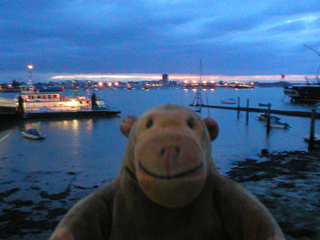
[(94, 147)]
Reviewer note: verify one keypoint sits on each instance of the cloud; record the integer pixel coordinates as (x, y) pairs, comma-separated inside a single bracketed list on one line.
[(232, 37)]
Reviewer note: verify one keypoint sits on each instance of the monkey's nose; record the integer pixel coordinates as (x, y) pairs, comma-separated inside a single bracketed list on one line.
[(170, 150)]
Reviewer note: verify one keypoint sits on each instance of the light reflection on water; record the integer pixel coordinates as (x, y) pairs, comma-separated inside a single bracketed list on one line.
[(95, 147)]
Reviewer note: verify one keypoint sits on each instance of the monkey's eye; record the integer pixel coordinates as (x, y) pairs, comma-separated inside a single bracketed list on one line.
[(149, 123), (190, 123)]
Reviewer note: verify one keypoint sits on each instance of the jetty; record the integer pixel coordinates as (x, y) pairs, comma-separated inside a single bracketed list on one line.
[(312, 115), (261, 110)]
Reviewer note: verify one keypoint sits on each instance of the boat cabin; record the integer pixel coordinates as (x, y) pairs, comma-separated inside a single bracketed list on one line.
[(52, 101), (41, 97)]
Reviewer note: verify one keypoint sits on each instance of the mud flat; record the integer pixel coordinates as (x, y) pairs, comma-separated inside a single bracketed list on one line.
[(288, 183), (32, 203)]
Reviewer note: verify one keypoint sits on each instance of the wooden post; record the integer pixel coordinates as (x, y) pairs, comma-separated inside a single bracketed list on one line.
[(20, 107), (268, 118), (247, 116), (311, 139), (238, 107)]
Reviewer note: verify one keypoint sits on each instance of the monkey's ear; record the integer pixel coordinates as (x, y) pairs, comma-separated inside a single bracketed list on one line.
[(213, 128), (127, 124)]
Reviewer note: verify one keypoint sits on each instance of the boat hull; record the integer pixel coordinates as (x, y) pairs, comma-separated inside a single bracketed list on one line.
[(71, 114), (32, 134), (229, 101), (279, 125), (316, 138), (303, 93), (264, 117)]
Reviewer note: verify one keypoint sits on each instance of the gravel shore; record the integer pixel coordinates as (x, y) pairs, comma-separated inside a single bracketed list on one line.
[(288, 184)]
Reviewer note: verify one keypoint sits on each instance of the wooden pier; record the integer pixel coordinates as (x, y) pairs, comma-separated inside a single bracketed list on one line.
[(262, 110), (312, 114)]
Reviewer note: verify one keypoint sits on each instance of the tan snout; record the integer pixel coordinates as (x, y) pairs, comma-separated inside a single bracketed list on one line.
[(171, 168)]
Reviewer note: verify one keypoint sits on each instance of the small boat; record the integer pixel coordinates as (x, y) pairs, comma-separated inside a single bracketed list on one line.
[(229, 101), (316, 138), (264, 104), (264, 117), (277, 124), (32, 133)]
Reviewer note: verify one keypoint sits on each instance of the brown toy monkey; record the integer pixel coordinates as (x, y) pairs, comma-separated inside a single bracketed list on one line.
[(169, 188)]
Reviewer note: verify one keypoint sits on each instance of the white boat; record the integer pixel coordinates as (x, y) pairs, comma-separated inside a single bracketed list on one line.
[(277, 124), (316, 138), (229, 101), (264, 117), (37, 102), (32, 133)]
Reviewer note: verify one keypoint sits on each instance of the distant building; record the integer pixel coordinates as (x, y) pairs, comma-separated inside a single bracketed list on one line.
[(165, 79)]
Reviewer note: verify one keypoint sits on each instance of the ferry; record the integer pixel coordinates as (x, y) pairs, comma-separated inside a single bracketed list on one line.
[(54, 104)]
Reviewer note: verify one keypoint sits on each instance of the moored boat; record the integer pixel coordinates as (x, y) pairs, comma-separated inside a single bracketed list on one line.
[(316, 138), (264, 104), (306, 93), (244, 85), (265, 116), (54, 104), (229, 101), (277, 124), (32, 133)]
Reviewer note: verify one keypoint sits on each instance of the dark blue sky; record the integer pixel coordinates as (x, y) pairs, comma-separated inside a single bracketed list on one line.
[(232, 38)]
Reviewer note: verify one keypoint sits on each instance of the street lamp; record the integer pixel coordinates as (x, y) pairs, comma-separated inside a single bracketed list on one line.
[(30, 67)]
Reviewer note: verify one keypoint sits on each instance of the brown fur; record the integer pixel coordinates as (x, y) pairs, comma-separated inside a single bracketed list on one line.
[(169, 188)]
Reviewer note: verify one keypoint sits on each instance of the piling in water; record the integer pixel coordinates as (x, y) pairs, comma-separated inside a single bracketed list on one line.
[(268, 119), (311, 139)]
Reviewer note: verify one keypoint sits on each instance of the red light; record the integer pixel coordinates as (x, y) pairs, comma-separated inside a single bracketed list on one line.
[(27, 100)]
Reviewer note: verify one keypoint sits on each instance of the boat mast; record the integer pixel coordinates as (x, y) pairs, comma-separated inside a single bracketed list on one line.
[(198, 98), (317, 76)]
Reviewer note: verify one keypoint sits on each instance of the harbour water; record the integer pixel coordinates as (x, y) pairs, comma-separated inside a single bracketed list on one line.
[(96, 146), (92, 149)]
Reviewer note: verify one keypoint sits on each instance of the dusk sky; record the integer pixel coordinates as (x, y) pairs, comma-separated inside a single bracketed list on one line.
[(232, 38)]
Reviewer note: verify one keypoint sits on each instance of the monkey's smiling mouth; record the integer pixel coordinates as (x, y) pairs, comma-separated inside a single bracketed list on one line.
[(179, 175)]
